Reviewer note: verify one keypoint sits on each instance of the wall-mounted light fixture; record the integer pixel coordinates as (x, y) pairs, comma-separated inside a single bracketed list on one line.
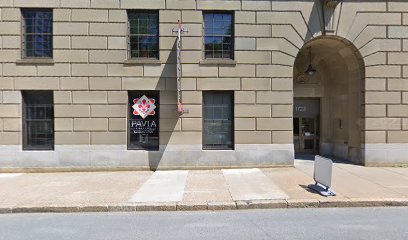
[(310, 70)]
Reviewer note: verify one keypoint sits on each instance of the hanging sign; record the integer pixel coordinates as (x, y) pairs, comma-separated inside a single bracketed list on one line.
[(179, 30), (179, 104)]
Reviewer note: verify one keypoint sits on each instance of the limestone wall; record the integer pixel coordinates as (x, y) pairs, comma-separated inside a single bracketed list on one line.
[(90, 77)]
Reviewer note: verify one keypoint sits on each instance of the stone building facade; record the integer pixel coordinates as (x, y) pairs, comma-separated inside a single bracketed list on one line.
[(353, 105)]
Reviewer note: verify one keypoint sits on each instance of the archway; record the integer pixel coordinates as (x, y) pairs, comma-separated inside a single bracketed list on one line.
[(328, 102)]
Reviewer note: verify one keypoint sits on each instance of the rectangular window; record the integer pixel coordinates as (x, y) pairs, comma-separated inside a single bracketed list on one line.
[(218, 35), (38, 120), (37, 33), (143, 123), (218, 120), (143, 34)]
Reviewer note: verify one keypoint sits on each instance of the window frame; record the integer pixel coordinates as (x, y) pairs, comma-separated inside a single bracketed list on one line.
[(128, 35), (26, 144), (232, 13), (24, 33), (224, 146)]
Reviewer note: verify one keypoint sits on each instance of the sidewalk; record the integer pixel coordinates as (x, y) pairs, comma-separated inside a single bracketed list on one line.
[(200, 189)]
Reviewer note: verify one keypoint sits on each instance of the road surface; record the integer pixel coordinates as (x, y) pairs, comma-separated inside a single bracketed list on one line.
[(338, 223)]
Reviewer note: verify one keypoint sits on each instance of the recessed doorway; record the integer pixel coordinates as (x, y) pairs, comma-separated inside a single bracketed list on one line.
[(329, 71), (306, 125)]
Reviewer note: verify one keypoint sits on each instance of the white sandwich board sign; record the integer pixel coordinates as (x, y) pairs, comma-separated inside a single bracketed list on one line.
[(323, 170)]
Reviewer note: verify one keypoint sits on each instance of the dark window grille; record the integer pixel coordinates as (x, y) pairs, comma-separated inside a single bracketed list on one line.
[(37, 33), (143, 34), (218, 120), (38, 120), (218, 35)]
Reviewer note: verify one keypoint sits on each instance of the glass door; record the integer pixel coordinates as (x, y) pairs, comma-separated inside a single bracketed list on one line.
[(306, 134), (309, 134)]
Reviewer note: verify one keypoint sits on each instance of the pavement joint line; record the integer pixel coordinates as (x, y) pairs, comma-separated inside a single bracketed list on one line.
[(226, 183), (212, 206), (395, 172)]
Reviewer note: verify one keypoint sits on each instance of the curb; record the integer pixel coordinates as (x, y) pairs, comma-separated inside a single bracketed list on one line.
[(211, 206)]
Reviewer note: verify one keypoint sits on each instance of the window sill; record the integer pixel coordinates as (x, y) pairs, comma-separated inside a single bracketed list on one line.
[(143, 149), (217, 148), (218, 62), (142, 62), (42, 149), (45, 61)]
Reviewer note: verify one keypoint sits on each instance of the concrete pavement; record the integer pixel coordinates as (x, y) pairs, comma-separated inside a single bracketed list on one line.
[(201, 189)]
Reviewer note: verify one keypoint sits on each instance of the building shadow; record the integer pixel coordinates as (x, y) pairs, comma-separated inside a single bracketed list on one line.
[(305, 156), (310, 157), (168, 115), (305, 187), (315, 23)]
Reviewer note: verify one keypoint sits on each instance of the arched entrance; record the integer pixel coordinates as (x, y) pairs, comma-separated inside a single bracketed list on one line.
[(327, 99)]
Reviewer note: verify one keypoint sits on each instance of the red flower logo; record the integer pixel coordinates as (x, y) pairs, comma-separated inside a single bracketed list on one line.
[(144, 106)]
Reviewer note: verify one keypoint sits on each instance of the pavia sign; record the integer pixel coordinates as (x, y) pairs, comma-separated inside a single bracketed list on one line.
[(143, 116), (141, 126), (143, 107)]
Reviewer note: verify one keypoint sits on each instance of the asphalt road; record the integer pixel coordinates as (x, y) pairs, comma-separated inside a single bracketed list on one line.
[(340, 223)]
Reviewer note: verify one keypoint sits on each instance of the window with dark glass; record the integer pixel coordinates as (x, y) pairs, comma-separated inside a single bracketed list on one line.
[(37, 33), (218, 35), (143, 30), (218, 120), (143, 120), (38, 120)]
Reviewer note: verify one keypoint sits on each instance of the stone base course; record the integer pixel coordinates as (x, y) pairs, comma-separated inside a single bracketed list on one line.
[(117, 157)]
